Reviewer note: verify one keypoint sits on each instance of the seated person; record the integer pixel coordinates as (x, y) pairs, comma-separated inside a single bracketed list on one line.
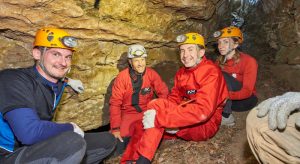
[(193, 109), (28, 99), (240, 72), (133, 88)]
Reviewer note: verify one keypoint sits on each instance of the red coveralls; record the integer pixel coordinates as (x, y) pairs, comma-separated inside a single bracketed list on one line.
[(198, 120), (122, 113), (245, 71)]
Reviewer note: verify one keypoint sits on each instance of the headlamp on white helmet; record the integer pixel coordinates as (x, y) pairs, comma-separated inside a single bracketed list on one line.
[(136, 50)]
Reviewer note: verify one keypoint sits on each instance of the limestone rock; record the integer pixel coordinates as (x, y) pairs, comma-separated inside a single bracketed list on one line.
[(105, 33)]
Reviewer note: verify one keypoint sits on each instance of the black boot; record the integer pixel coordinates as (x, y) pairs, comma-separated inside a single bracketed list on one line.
[(143, 160)]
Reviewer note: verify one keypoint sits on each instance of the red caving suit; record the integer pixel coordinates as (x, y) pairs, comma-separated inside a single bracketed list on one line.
[(245, 71), (194, 105), (122, 113)]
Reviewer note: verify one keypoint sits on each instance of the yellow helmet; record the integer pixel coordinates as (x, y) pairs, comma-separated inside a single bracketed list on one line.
[(190, 38), (55, 38), (230, 32)]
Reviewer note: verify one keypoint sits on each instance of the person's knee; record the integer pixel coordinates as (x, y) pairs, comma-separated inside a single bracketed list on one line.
[(103, 140), (72, 142), (110, 140), (67, 147), (75, 147), (99, 146)]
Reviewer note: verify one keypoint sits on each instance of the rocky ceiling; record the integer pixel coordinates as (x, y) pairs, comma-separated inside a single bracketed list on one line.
[(271, 30)]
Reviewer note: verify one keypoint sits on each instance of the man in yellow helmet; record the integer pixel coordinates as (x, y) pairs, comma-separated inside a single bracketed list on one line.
[(28, 99), (193, 109)]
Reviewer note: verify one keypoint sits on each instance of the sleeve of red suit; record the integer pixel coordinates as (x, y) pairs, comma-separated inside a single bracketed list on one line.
[(115, 103), (160, 86), (171, 115), (249, 80)]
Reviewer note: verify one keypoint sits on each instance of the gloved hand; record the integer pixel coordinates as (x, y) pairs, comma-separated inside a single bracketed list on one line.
[(171, 131), (77, 129), (76, 85), (149, 118), (279, 108)]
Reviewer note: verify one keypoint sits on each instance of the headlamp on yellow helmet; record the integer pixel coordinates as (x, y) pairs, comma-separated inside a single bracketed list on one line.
[(190, 38), (229, 32), (54, 38)]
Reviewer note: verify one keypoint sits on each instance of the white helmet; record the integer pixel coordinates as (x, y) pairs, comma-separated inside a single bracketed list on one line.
[(136, 50)]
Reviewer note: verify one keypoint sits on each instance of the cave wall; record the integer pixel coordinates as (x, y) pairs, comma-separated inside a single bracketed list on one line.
[(271, 33), (104, 34)]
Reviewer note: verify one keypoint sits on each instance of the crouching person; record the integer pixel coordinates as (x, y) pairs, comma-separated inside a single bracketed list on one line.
[(28, 99), (193, 109)]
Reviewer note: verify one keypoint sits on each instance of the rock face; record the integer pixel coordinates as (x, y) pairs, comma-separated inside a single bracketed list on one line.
[(271, 33), (105, 33)]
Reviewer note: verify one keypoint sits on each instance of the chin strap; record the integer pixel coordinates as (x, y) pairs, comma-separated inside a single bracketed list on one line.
[(41, 62), (225, 58)]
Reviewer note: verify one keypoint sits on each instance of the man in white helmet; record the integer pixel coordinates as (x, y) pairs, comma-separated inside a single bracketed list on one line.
[(133, 88)]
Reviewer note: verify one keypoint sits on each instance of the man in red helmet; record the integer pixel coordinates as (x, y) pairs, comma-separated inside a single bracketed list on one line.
[(193, 109), (28, 99)]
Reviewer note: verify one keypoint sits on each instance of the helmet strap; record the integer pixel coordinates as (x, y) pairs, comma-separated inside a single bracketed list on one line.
[(198, 61), (41, 62), (228, 53)]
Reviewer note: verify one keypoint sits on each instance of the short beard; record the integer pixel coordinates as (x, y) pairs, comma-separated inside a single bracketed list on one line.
[(41, 64)]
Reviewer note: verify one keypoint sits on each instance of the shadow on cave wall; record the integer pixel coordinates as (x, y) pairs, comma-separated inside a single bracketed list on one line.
[(121, 65), (166, 70)]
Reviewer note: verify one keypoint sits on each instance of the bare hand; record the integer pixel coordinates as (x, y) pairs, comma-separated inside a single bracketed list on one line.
[(117, 134)]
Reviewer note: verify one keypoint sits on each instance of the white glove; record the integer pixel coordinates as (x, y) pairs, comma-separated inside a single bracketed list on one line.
[(171, 131), (76, 85), (148, 119), (279, 108), (77, 129)]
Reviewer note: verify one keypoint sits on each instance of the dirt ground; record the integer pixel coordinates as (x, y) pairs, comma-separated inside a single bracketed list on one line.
[(230, 143)]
